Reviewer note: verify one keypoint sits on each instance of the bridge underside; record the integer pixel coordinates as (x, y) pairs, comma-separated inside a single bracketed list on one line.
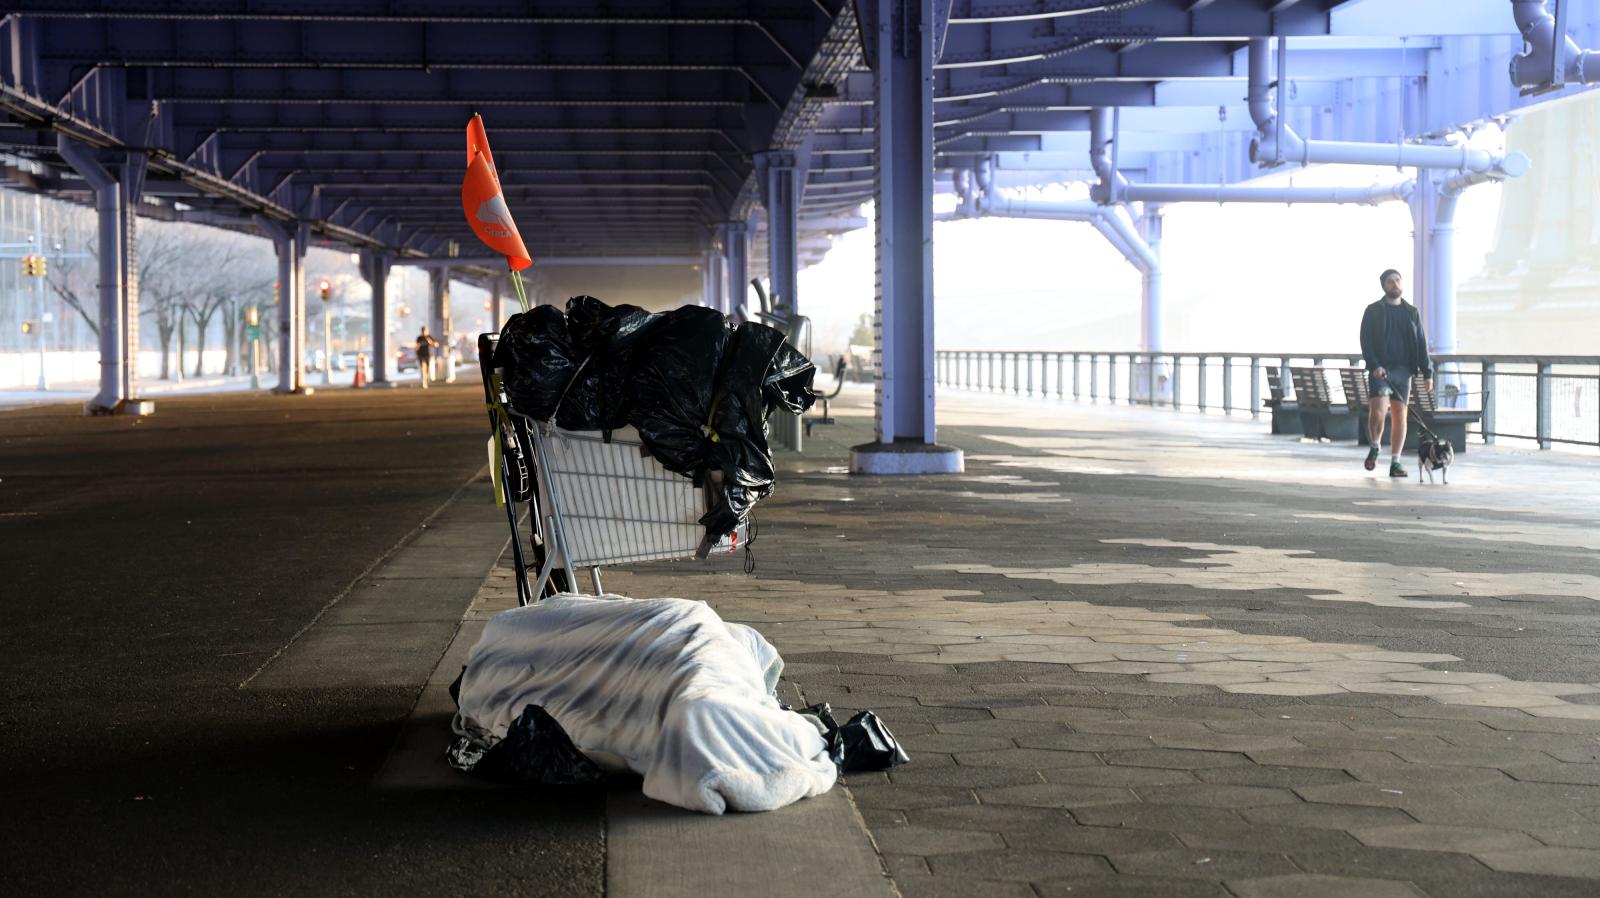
[(671, 151)]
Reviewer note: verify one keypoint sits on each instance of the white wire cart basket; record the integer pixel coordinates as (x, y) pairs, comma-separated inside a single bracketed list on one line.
[(591, 499)]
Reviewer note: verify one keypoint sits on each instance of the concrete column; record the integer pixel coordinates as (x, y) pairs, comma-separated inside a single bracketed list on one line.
[(903, 37), (117, 181), (375, 269), (302, 240), (1151, 333), (439, 322), (1420, 289), (736, 243), (291, 320), (778, 177), (716, 263)]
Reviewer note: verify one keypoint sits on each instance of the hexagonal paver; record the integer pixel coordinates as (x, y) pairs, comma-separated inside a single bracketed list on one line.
[(1112, 775), (1433, 837), (1310, 885), (1055, 795), (1132, 887), (954, 742), (1579, 862), (995, 818), (1028, 759), (1403, 657), (1204, 863), (928, 841), (1129, 667), (1277, 687), (1174, 758), (1026, 866), (904, 797), (1325, 816), (1209, 795), (950, 887), (1525, 700)]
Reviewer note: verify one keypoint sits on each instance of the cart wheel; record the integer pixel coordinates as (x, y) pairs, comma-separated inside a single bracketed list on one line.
[(560, 579)]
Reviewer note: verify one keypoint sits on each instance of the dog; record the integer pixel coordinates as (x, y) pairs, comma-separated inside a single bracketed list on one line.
[(1434, 454)]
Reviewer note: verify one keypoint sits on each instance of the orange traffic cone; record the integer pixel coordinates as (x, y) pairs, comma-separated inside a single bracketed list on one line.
[(361, 371)]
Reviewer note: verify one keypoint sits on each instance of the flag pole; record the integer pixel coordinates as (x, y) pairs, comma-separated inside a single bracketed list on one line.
[(522, 294)]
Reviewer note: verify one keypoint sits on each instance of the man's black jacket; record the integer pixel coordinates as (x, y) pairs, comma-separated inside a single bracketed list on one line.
[(1373, 338)]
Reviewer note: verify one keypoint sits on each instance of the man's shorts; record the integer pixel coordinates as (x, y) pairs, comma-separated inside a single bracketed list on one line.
[(1396, 382)]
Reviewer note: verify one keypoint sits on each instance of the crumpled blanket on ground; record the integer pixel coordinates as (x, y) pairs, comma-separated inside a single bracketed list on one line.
[(664, 687)]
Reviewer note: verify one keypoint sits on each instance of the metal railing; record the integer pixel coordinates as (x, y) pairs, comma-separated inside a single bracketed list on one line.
[(1546, 400)]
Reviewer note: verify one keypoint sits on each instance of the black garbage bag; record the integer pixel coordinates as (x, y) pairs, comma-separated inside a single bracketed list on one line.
[(535, 751), (547, 375), (698, 392), (862, 744)]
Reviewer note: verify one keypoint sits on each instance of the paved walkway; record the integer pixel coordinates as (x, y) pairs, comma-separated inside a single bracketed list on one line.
[(1144, 653)]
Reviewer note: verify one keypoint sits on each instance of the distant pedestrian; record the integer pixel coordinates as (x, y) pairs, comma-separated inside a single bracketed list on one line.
[(1394, 348), (426, 344)]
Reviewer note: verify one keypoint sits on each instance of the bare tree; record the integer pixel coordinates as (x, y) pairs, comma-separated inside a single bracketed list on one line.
[(71, 281)]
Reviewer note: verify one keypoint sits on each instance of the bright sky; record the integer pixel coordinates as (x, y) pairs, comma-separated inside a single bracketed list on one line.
[(1238, 278)]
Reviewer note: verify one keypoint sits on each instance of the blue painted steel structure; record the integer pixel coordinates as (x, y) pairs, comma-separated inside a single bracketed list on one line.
[(740, 133)]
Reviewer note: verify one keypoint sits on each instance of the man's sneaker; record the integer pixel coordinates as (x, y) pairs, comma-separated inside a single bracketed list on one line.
[(1372, 458), (1397, 470)]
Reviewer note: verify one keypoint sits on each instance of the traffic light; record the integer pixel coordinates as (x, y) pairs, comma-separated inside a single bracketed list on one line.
[(34, 266), (29, 328), (324, 288), (252, 316)]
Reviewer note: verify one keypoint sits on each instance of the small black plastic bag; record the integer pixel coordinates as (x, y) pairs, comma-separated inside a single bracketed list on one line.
[(863, 744), (535, 752)]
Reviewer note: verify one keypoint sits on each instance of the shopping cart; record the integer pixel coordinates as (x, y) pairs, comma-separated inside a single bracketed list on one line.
[(591, 499)]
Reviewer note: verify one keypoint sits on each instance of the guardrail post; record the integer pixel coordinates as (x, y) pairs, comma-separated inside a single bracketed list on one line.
[(1177, 382), (1077, 367), (1202, 401), (1111, 378), (1227, 385), (1487, 386), (988, 380), (1543, 391), (1133, 375), (1061, 364), (1028, 357), (1255, 387), (1094, 377)]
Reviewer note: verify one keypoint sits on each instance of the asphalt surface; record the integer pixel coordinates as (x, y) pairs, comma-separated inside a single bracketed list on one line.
[(151, 566)]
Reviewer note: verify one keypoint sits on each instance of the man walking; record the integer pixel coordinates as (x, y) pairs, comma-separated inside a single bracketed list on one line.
[(1394, 348), (425, 346)]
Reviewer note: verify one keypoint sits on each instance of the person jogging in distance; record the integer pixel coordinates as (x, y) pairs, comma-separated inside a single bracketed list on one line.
[(425, 346), (1394, 348)]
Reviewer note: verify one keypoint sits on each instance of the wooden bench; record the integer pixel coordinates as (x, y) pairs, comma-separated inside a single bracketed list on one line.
[(1451, 424), (1322, 418), (1285, 412)]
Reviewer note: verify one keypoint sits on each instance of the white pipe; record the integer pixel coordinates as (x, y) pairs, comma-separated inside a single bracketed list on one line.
[(1441, 269), (1144, 255), (1150, 331), (1202, 193), (1268, 148), (1534, 66), (1114, 188), (1117, 229)]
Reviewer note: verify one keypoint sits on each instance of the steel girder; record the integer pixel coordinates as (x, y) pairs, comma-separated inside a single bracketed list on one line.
[(638, 121)]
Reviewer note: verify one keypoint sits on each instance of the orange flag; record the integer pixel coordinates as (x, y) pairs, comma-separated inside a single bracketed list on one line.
[(485, 205)]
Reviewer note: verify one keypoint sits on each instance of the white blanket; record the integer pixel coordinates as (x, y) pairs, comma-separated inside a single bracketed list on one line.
[(664, 685)]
